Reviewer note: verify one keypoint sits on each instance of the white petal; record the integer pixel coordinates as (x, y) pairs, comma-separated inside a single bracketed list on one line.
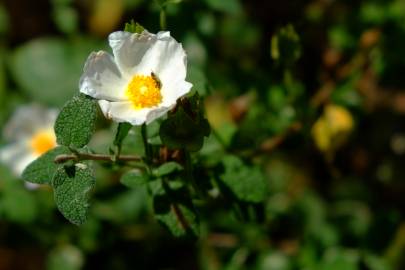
[(172, 64), (16, 156), (173, 91), (145, 53), (27, 120), (129, 50), (165, 57), (101, 78), (125, 112)]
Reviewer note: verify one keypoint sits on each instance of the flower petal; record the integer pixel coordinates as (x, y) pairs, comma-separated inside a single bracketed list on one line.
[(16, 156), (173, 91), (145, 53), (27, 120), (129, 49), (172, 64), (101, 78), (125, 112)]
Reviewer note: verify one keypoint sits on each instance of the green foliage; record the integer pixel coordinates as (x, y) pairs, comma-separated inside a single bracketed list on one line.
[(76, 122), (173, 209), (246, 184), (164, 3), (65, 257), (134, 27), (228, 6), (167, 168), (58, 64), (185, 128), (122, 132), (72, 186), (66, 18), (285, 46), (180, 131), (42, 170), (134, 179), (18, 205)]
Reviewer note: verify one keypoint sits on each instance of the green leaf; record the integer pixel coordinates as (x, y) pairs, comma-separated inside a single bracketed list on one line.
[(42, 170), (179, 218), (72, 186), (167, 168), (246, 183), (58, 65), (174, 210), (122, 132), (134, 27), (76, 122), (134, 179), (181, 132)]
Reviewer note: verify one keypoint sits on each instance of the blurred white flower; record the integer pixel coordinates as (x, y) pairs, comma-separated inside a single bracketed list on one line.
[(29, 133), (142, 81)]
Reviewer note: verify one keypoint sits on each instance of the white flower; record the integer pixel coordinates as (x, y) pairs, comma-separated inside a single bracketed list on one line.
[(142, 81), (29, 133)]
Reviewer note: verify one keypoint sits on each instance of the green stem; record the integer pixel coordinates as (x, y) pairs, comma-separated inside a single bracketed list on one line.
[(148, 149), (162, 18)]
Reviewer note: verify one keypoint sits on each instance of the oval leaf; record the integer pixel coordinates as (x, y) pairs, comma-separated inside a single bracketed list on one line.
[(134, 179), (76, 122), (71, 190), (167, 168), (42, 170)]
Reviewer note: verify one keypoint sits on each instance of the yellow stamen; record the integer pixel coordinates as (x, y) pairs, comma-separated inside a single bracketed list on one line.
[(144, 91), (43, 141)]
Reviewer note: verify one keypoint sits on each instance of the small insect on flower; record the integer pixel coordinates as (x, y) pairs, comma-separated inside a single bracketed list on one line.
[(141, 81), (30, 134)]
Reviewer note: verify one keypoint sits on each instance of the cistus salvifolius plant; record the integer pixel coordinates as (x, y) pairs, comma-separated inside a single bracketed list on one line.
[(142, 82)]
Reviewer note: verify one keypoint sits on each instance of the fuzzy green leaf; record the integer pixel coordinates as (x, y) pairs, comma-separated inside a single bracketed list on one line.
[(246, 183), (76, 122), (72, 186), (134, 179), (181, 132), (41, 170)]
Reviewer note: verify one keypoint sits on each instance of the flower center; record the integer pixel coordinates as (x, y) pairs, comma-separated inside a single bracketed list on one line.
[(43, 141), (144, 91)]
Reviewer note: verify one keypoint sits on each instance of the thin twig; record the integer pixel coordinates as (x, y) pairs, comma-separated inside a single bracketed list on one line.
[(84, 156)]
